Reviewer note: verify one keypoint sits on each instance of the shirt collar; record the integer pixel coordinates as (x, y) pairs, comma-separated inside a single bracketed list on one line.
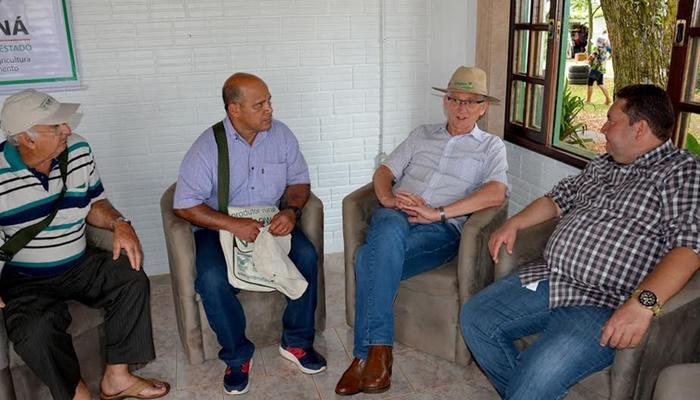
[(233, 133), (13, 158), (653, 156), (649, 158), (475, 133)]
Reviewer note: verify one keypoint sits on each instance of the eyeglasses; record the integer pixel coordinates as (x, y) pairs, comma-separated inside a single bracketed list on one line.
[(470, 104)]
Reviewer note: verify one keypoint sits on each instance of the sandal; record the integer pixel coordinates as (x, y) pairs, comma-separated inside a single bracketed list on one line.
[(134, 390)]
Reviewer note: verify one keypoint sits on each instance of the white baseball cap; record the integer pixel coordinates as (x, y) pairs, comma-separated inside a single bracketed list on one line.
[(27, 108)]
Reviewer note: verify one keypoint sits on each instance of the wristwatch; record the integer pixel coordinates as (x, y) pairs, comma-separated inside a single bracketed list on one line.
[(441, 211), (648, 300), (297, 211), (120, 219)]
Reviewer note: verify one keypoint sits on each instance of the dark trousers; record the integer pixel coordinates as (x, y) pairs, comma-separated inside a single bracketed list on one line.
[(36, 316), (224, 311)]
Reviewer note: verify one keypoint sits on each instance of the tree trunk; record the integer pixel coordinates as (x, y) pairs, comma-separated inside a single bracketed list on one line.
[(590, 26), (641, 33)]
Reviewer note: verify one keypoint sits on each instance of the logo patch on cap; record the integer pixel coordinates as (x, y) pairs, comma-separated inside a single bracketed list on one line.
[(46, 103), (464, 85)]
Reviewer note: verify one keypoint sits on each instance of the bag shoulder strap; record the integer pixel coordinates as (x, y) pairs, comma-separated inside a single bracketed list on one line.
[(26, 234), (223, 166)]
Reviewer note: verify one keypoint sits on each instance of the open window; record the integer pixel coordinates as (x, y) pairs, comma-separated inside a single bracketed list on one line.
[(684, 76), (553, 48)]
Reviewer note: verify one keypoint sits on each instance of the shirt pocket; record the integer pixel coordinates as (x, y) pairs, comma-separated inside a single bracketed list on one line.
[(273, 178), (467, 169), (274, 173)]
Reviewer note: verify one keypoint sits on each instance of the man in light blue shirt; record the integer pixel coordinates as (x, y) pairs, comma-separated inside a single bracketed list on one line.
[(427, 188), (264, 164)]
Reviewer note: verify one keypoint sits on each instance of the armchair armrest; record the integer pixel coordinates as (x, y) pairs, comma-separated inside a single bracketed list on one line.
[(529, 245), (673, 338), (181, 254), (311, 220), (357, 211), (474, 266)]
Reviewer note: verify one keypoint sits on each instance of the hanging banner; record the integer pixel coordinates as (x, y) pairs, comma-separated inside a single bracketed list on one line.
[(36, 48)]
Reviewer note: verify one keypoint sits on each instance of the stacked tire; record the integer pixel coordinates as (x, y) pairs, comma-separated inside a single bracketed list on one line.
[(578, 74)]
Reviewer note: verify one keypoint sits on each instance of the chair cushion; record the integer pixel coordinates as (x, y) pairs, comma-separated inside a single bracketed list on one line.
[(441, 281), (678, 382)]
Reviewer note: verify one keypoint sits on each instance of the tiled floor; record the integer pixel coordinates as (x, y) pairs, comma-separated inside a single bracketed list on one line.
[(416, 375)]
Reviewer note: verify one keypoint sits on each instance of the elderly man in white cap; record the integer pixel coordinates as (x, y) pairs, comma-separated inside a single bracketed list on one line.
[(49, 190), (427, 187)]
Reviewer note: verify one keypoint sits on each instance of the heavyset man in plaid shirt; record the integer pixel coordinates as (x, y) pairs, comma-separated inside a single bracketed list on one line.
[(627, 241)]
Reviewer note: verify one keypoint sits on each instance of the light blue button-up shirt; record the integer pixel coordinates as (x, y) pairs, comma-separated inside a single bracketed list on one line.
[(443, 168), (259, 173)]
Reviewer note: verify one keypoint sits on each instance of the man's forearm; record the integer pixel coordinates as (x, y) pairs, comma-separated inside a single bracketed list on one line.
[(382, 181), (102, 214), (297, 195), (489, 195), (206, 217), (540, 210), (672, 273)]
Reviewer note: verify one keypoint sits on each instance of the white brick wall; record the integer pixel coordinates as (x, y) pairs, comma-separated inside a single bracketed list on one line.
[(531, 175), (153, 71)]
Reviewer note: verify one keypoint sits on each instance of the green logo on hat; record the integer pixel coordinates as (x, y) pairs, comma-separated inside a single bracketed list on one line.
[(464, 85)]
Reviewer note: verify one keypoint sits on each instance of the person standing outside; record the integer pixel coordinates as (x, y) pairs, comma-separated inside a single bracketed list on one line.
[(597, 60)]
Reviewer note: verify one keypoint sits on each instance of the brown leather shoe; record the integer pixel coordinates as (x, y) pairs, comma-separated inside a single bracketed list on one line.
[(376, 377), (349, 383)]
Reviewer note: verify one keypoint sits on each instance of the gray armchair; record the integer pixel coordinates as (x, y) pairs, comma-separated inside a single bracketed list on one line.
[(672, 337), (17, 381), (678, 382), (446, 288), (263, 310)]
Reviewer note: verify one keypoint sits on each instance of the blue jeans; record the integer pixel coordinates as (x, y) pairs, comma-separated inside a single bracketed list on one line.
[(224, 310), (394, 250), (567, 350)]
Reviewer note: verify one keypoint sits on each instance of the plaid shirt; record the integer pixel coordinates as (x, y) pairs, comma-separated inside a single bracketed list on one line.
[(618, 221)]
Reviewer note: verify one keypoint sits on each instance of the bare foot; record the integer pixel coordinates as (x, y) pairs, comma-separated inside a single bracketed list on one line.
[(81, 392)]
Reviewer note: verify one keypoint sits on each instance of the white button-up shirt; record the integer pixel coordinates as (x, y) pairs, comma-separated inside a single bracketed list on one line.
[(443, 168)]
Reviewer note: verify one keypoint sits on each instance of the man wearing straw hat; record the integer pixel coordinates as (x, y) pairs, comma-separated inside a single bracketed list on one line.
[(427, 188), (49, 190)]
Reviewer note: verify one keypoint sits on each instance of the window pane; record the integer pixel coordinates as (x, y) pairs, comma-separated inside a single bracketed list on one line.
[(696, 17), (580, 123), (691, 90), (536, 106), (522, 11), (542, 11), (520, 50), (541, 55), (690, 128), (517, 102)]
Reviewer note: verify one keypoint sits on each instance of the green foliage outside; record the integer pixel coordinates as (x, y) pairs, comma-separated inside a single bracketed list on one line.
[(692, 144), (571, 129)]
